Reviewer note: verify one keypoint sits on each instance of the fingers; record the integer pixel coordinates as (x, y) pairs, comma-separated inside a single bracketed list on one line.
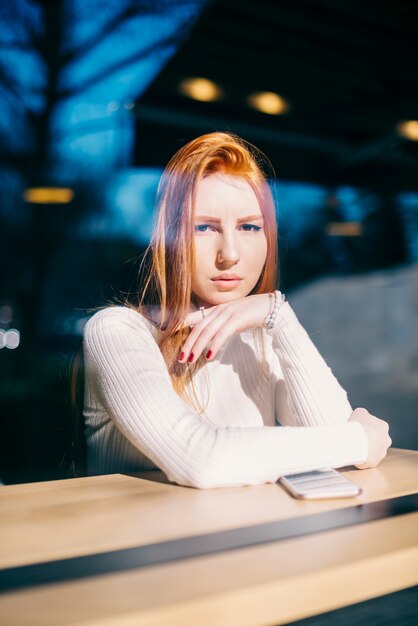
[(188, 351), (195, 317), (360, 412), (226, 330), (378, 439), (377, 456), (211, 332)]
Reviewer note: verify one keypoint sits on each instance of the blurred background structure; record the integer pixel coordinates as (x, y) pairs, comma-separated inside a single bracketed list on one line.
[(97, 96)]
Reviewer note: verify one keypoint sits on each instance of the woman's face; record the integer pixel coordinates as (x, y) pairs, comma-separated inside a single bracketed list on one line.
[(230, 241)]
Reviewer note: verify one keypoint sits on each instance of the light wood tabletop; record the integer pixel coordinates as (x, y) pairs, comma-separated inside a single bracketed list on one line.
[(69, 525)]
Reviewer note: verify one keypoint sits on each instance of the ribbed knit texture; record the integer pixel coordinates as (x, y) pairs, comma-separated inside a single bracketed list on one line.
[(135, 421)]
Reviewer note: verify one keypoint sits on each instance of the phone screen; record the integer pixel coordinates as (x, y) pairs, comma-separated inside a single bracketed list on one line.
[(326, 483)]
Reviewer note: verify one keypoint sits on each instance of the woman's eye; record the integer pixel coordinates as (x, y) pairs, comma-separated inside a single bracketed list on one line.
[(202, 228), (251, 227)]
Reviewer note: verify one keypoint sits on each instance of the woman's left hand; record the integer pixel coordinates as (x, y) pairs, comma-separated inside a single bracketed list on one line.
[(220, 322)]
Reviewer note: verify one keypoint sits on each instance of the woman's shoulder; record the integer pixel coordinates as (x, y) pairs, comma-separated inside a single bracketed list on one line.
[(118, 317)]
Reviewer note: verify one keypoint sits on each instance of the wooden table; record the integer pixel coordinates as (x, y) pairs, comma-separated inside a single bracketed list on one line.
[(267, 583)]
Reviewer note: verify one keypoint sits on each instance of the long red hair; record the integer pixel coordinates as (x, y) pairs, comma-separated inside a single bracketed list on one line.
[(172, 245)]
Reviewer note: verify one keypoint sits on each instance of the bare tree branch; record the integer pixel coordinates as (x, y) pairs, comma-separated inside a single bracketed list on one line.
[(111, 26), (17, 45), (12, 159), (130, 12), (157, 45), (9, 84), (12, 14), (85, 128)]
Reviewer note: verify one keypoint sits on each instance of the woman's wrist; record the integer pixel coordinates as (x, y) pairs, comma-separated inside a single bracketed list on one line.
[(277, 298)]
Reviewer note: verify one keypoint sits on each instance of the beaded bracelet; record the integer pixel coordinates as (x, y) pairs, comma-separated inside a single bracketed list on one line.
[(279, 299)]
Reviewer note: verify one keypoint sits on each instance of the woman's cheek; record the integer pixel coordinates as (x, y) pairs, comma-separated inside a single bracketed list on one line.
[(203, 259), (260, 254)]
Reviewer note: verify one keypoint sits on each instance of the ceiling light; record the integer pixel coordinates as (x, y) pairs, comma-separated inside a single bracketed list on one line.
[(201, 89), (268, 102), (409, 130), (48, 195)]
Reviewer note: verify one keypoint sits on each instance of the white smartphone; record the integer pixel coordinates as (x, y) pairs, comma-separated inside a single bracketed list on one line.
[(325, 483)]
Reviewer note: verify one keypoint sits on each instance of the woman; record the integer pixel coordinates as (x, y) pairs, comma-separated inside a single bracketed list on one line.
[(197, 381)]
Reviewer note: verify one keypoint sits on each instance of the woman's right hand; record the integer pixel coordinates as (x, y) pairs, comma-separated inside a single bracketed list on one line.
[(377, 433)]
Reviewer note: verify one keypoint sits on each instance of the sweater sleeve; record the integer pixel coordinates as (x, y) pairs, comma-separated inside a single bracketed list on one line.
[(130, 376), (307, 392)]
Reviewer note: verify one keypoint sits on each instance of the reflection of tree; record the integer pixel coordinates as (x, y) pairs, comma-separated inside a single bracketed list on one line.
[(41, 49), (42, 32), (54, 55)]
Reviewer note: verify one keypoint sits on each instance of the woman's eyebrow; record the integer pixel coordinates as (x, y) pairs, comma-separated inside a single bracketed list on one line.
[(208, 218)]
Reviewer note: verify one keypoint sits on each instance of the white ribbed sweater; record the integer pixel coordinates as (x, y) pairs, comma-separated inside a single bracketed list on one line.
[(135, 421)]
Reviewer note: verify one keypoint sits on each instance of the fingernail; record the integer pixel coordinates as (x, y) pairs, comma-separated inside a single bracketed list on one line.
[(209, 354), (191, 357), (181, 357)]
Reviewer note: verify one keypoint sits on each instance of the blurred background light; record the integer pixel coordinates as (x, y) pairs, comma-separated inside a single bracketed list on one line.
[(48, 195), (6, 314), (11, 338), (268, 102), (344, 229), (201, 89), (409, 130)]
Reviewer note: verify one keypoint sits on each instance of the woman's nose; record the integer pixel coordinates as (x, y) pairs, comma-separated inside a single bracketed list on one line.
[(228, 251)]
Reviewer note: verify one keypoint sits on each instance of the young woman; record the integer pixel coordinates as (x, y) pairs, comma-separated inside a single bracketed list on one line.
[(211, 377)]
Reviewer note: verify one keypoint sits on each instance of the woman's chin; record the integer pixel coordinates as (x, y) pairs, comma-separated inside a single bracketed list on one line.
[(221, 297)]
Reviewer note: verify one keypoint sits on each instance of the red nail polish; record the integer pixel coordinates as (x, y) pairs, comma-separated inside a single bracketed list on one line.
[(181, 357), (191, 357), (209, 354)]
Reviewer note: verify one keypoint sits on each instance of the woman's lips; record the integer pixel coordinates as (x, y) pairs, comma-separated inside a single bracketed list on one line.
[(230, 283)]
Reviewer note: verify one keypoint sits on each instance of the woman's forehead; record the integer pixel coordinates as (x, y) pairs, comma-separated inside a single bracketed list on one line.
[(225, 191)]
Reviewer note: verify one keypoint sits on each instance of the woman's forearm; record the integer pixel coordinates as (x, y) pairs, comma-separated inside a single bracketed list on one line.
[(314, 395)]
